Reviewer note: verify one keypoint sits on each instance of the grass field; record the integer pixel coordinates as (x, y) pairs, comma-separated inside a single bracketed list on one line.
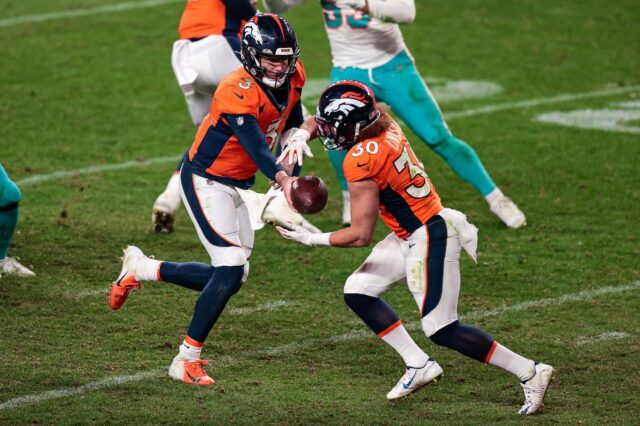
[(95, 91)]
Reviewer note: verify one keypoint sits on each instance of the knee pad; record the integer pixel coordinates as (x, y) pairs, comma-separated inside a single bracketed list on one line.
[(357, 285), (228, 256)]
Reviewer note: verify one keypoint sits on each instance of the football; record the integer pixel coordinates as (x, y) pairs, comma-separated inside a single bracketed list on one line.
[(309, 194)]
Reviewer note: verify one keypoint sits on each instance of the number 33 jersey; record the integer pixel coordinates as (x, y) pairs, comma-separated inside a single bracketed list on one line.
[(407, 198)]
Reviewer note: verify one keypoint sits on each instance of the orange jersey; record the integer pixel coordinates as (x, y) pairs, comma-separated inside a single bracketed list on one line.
[(407, 198), (216, 151), (202, 18)]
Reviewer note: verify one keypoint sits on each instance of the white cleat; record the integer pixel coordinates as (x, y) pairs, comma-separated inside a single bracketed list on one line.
[(11, 266), (535, 388), (509, 213), (278, 212), (131, 260), (415, 378)]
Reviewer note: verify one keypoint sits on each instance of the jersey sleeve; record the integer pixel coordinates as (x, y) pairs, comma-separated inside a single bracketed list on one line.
[(362, 163), (237, 96)]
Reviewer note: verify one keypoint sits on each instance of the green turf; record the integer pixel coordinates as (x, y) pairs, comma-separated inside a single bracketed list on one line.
[(99, 90)]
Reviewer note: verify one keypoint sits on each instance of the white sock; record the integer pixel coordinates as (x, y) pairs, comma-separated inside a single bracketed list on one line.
[(494, 196), (522, 367), (190, 351), (146, 269), (399, 339)]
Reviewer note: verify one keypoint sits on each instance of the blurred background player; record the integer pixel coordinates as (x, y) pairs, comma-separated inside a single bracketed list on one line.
[(208, 50), (252, 106), (367, 46), (10, 197), (386, 178)]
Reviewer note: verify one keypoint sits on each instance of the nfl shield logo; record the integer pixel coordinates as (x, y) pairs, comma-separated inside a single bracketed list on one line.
[(240, 121)]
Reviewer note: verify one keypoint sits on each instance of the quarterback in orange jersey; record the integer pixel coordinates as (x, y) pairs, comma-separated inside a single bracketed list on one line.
[(250, 109), (386, 178), (208, 50)]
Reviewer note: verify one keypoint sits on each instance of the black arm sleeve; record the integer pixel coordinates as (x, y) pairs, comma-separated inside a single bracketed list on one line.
[(240, 9), (248, 132), (296, 118)]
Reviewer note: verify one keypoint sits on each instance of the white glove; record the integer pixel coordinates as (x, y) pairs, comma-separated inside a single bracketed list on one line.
[(278, 212), (351, 4), (302, 235), (295, 146)]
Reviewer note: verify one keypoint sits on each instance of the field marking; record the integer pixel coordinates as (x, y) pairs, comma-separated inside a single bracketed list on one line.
[(268, 306), (349, 336), (476, 111), (612, 335), (96, 169), (540, 101), (118, 7)]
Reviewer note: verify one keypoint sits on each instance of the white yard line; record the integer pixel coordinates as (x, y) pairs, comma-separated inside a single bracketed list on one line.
[(117, 7), (96, 169), (468, 113), (349, 336), (540, 101), (612, 335), (268, 306)]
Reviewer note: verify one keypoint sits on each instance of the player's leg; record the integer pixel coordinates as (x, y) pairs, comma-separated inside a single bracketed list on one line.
[(399, 84), (382, 269), (10, 197), (221, 221), (436, 288)]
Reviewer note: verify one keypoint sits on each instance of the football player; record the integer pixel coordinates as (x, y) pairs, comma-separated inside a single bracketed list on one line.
[(385, 178), (207, 51), (10, 197), (251, 107), (367, 46)]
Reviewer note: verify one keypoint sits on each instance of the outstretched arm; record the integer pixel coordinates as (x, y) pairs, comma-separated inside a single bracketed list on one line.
[(364, 213), (398, 11)]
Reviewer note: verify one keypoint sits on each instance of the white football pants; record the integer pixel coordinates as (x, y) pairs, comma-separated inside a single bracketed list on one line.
[(394, 260), (199, 67)]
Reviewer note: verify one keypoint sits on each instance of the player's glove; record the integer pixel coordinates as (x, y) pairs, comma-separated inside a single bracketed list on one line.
[(294, 142), (351, 4), (303, 236)]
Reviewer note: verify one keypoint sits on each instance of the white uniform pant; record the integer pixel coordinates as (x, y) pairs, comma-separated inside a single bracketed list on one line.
[(428, 261), (199, 67), (221, 219)]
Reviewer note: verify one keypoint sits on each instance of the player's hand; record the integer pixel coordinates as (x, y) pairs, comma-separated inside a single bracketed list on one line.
[(297, 233), (284, 181), (295, 146), (351, 4)]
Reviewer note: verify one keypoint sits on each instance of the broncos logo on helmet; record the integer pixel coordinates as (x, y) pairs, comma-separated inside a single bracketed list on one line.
[(252, 30), (343, 105)]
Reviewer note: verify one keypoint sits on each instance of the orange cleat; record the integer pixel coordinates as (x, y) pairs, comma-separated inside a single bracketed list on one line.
[(190, 372), (121, 288)]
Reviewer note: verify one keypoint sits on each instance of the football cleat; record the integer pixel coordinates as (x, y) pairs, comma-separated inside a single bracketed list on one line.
[(278, 212), (190, 372), (509, 213), (11, 266), (164, 209), (126, 281), (415, 378), (535, 388)]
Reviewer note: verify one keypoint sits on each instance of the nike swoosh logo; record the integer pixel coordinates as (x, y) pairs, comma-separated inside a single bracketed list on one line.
[(239, 96), (406, 385), (411, 245), (362, 165)]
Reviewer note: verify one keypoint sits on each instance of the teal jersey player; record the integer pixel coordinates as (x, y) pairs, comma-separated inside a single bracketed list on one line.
[(367, 46), (10, 197)]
